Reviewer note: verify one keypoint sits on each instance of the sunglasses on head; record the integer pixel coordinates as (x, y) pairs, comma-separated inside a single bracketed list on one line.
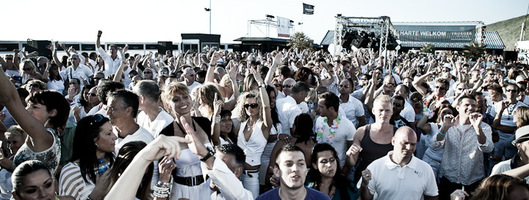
[(251, 105), (98, 118)]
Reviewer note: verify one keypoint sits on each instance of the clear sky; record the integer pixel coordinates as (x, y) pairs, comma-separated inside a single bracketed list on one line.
[(165, 20)]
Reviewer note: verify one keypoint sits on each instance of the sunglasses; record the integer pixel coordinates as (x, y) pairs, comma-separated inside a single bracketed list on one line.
[(92, 94), (344, 86), (251, 105), (440, 87), (34, 85), (287, 86), (98, 118), (147, 72), (509, 90), (26, 69), (277, 85)]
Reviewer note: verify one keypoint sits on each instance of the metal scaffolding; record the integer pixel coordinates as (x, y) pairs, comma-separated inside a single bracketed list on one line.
[(380, 26)]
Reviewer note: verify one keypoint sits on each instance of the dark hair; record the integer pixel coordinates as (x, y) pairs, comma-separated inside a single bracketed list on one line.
[(300, 86), (339, 180), (231, 135), (107, 87), (51, 76), (273, 111), (128, 99), (23, 169), (126, 153), (465, 96), (149, 89), (303, 74), (234, 150), (285, 71), (331, 100), (84, 147), (303, 132), (288, 148), (497, 187), (82, 99), (496, 87), (53, 100)]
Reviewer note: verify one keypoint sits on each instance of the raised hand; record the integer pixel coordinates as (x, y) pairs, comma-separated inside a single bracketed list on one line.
[(449, 120), (475, 119), (353, 150), (217, 105), (195, 145), (168, 146)]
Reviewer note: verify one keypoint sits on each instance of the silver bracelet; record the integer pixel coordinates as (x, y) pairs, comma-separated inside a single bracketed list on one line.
[(217, 119)]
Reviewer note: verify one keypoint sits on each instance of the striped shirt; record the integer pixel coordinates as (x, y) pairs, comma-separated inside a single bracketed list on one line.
[(72, 183)]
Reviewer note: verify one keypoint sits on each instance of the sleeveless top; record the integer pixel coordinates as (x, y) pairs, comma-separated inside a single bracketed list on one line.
[(370, 152), (50, 156), (254, 147)]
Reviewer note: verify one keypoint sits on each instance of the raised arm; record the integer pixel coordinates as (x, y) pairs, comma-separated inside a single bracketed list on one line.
[(39, 137), (230, 105), (418, 83), (270, 75), (265, 101), (133, 174), (210, 74)]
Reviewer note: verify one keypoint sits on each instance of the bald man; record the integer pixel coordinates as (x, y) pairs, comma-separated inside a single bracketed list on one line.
[(399, 175)]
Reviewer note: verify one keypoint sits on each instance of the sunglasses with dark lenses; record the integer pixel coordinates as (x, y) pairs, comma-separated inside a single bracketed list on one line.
[(344, 86), (277, 85), (440, 87), (26, 69), (509, 90), (98, 118), (92, 94), (251, 105), (287, 86), (34, 85)]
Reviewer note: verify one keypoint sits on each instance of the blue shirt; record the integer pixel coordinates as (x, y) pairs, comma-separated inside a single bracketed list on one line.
[(312, 194)]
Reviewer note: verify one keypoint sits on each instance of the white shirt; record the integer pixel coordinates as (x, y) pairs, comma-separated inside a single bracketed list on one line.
[(157, 125), (391, 181), (408, 113), (352, 109), (140, 135), (342, 130), (192, 86), (82, 72), (463, 154), (229, 185), (507, 115), (287, 110), (111, 65)]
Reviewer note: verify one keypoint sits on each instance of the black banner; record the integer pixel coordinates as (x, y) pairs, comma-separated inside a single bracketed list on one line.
[(308, 9)]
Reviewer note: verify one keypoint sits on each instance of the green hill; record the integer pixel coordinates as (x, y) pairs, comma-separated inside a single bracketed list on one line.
[(509, 30)]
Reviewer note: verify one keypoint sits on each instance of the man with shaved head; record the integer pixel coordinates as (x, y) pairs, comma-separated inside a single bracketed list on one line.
[(399, 175)]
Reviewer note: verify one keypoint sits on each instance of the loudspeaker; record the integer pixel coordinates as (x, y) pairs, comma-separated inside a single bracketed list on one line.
[(41, 46), (510, 55), (164, 46)]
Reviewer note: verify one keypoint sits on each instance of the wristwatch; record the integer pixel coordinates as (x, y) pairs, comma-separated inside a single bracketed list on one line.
[(207, 156)]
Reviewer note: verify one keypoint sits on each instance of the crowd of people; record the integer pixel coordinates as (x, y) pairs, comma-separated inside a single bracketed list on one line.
[(285, 124)]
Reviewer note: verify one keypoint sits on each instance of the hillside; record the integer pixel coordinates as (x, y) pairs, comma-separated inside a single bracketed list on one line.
[(509, 30)]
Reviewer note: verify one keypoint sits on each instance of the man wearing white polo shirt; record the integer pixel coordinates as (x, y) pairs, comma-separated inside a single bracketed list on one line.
[(399, 175)]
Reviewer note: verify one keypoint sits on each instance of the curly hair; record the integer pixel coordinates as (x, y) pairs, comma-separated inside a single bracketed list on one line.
[(240, 104)]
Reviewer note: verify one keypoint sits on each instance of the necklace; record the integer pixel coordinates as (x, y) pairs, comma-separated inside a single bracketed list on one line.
[(510, 110), (248, 127)]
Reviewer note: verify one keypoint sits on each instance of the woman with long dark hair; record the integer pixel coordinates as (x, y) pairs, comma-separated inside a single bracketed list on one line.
[(325, 175), (93, 148), (55, 81), (126, 153)]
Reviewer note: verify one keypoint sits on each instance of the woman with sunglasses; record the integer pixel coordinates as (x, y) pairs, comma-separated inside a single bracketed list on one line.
[(188, 180), (45, 116), (93, 148), (88, 99), (253, 131), (55, 81), (28, 71)]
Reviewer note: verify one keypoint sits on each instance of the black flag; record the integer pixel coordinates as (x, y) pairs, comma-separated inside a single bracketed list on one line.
[(308, 9)]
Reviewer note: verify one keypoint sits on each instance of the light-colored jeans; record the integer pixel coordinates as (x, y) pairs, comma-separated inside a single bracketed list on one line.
[(250, 181)]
